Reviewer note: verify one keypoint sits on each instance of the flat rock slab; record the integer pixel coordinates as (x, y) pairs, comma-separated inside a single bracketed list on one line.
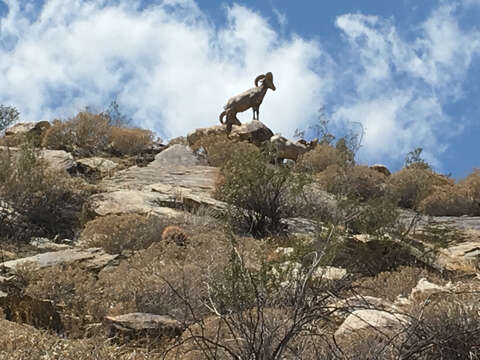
[(91, 259), (135, 325)]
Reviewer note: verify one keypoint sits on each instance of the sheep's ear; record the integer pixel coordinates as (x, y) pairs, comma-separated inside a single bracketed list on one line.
[(258, 78)]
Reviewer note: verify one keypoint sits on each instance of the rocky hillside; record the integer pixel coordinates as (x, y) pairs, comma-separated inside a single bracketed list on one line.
[(114, 245)]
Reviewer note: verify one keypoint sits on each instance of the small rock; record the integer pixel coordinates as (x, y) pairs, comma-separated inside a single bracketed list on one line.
[(425, 289), (381, 169), (91, 259), (287, 149), (47, 244)]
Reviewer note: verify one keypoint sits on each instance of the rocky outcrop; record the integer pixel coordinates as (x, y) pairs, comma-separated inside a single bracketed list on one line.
[(141, 325), (27, 128), (175, 181), (287, 149), (254, 132)]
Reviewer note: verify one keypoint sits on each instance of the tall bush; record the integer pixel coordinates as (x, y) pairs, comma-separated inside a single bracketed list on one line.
[(260, 194)]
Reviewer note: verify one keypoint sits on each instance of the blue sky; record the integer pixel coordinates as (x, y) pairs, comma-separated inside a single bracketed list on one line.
[(407, 70)]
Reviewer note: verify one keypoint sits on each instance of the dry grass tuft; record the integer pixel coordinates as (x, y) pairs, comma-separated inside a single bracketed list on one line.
[(115, 233)]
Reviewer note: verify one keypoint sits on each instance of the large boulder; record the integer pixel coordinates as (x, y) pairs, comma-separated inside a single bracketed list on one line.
[(96, 166), (142, 325), (382, 321), (179, 155), (27, 128), (56, 159)]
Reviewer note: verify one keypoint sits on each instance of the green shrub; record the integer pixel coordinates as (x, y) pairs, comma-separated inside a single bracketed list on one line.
[(370, 258), (116, 233), (376, 216), (260, 194)]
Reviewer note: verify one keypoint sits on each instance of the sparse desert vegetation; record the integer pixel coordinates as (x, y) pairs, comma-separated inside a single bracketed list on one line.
[(221, 251)]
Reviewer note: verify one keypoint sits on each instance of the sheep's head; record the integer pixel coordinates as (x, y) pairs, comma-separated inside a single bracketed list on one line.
[(267, 80)]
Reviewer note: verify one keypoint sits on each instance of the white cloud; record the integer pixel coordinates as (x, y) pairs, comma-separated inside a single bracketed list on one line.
[(172, 69), (167, 64), (400, 86)]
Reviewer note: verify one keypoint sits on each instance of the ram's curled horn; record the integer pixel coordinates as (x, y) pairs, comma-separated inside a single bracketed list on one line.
[(258, 78)]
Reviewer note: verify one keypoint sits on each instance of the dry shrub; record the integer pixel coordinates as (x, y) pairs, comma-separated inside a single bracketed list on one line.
[(145, 282), (319, 159), (70, 288), (450, 200), (445, 327), (127, 141), (471, 185), (22, 342), (174, 234), (390, 285), (115, 233), (87, 133), (219, 149), (359, 181), (412, 184), (370, 258), (60, 136), (50, 200)]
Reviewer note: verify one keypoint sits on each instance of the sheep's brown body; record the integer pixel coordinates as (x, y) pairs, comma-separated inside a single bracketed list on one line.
[(251, 98)]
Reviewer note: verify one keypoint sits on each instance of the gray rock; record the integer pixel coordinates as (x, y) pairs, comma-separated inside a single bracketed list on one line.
[(177, 155)]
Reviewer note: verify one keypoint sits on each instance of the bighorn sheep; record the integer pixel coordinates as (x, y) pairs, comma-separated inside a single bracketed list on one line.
[(251, 98)]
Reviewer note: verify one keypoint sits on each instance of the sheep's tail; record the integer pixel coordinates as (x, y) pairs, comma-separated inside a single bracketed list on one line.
[(222, 115)]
